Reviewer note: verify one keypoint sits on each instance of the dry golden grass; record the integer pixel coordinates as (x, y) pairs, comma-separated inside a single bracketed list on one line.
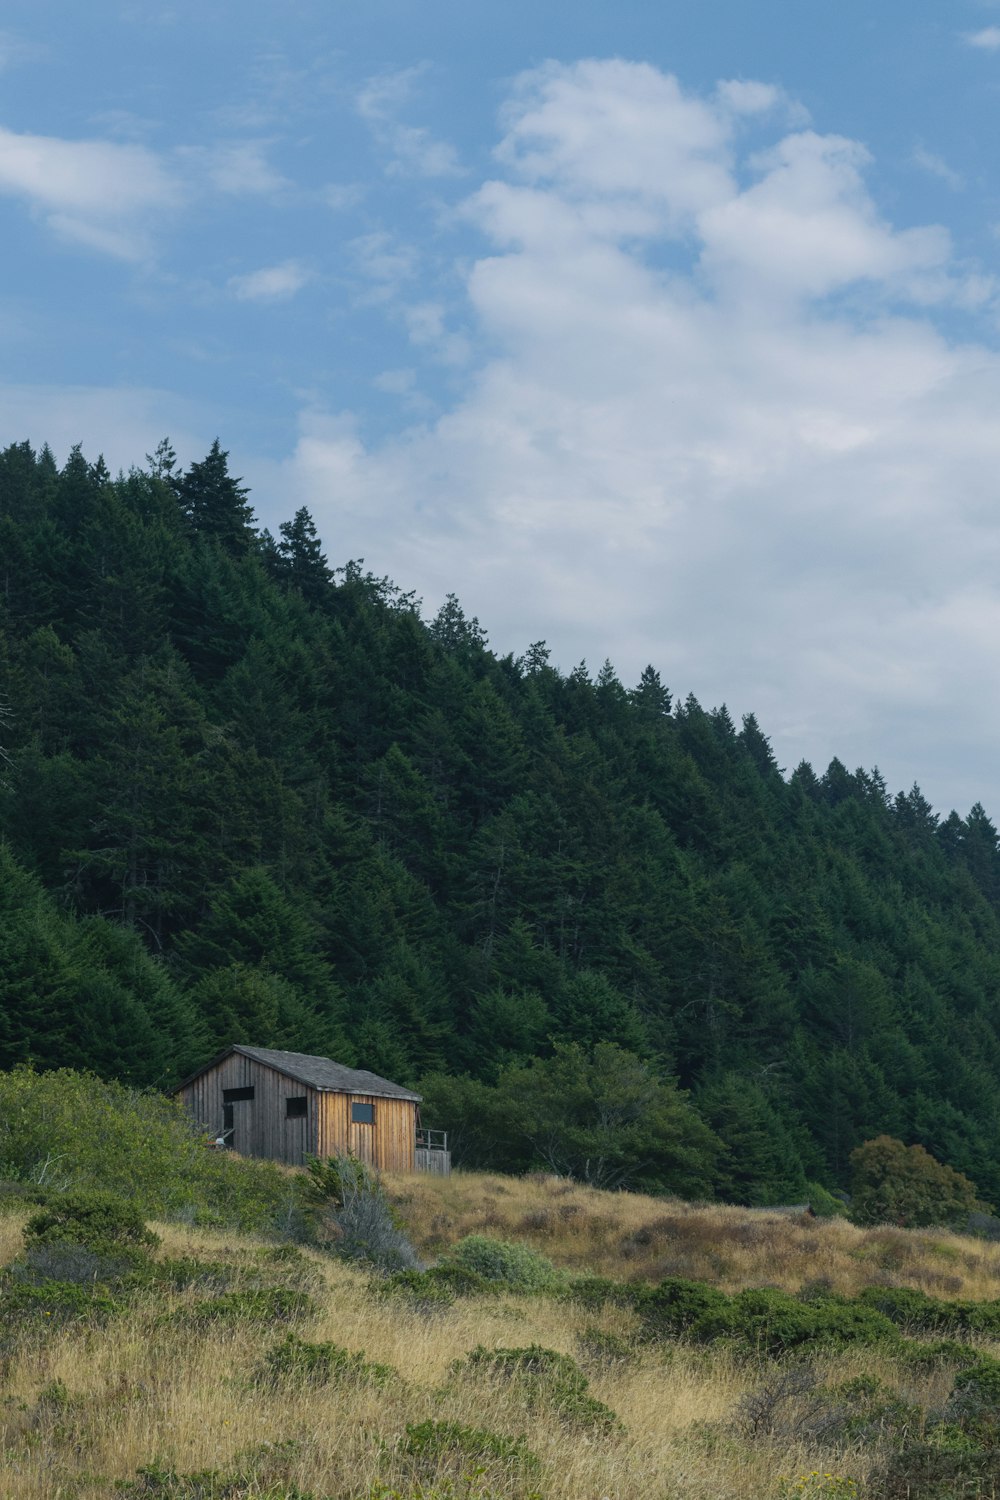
[(143, 1390), (634, 1237)]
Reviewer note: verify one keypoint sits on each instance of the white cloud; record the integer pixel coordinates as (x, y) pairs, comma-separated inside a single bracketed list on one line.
[(412, 149), (988, 39), (385, 262), (237, 168), (101, 194), (271, 283), (769, 473), (342, 196), (930, 161), (15, 50)]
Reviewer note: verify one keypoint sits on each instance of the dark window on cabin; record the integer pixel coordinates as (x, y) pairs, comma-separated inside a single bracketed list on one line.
[(362, 1114), (296, 1108), (233, 1096)]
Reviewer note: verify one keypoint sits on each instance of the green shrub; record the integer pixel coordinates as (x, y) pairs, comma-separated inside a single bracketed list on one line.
[(100, 1221), (545, 1377), (186, 1271), (437, 1288), (771, 1322), (269, 1304), (935, 1355), (302, 1363), (897, 1184), (824, 1204), (436, 1440), (55, 1303), (419, 1289), (156, 1483), (66, 1130), (516, 1268), (676, 1305)]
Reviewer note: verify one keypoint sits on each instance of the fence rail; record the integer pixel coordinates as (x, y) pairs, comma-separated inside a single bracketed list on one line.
[(432, 1154)]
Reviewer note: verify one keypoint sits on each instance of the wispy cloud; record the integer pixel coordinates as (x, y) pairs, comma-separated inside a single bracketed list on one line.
[(931, 162), (411, 148), (988, 39), (384, 261), (271, 283), (771, 473), (102, 194), (16, 50), (237, 168)]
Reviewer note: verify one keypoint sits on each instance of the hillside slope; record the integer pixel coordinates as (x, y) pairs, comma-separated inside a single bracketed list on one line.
[(247, 797)]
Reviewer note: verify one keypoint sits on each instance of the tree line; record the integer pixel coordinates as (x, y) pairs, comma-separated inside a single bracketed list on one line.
[(247, 796)]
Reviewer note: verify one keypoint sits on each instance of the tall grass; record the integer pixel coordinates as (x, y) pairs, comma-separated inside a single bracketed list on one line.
[(634, 1237), (85, 1408)]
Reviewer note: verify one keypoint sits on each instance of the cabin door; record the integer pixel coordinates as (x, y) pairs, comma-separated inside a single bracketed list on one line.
[(236, 1118)]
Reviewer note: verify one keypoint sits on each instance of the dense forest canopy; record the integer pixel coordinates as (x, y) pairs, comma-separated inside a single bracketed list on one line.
[(250, 797)]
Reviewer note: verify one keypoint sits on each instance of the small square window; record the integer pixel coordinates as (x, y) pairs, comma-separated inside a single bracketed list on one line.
[(362, 1114), (296, 1108)]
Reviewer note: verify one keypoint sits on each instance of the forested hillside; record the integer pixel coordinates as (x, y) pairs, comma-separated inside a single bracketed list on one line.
[(250, 797)]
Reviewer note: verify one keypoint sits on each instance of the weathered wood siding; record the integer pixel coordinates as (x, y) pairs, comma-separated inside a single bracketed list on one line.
[(387, 1144), (437, 1162), (260, 1124)]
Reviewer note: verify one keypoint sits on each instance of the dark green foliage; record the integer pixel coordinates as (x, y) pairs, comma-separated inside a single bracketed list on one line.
[(675, 1306), (52, 1303), (296, 1362), (770, 1322), (595, 1292), (763, 1321), (896, 1184), (435, 1440), (544, 1378), (514, 1268), (97, 1221), (958, 1454), (245, 795), (436, 1288), (265, 1304)]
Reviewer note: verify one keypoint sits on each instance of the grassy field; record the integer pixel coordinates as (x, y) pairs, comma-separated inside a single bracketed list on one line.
[(634, 1237), (217, 1404)]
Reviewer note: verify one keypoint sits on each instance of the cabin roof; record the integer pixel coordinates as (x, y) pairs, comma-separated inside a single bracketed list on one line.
[(316, 1072)]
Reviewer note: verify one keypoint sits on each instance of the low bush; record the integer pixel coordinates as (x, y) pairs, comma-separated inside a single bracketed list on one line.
[(675, 1306), (101, 1221), (268, 1304), (54, 1303), (437, 1288), (769, 1321), (436, 1440), (545, 1378), (515, 1268), (916, 1312), (298, 1362)]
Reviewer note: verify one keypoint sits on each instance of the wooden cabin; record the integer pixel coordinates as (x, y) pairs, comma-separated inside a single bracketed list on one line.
[(286, 1106)]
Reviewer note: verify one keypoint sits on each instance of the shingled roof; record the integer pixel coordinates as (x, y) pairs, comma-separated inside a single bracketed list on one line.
[(315, 1072)]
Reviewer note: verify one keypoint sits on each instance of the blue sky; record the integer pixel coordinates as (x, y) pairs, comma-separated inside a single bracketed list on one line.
[(664, 333)]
